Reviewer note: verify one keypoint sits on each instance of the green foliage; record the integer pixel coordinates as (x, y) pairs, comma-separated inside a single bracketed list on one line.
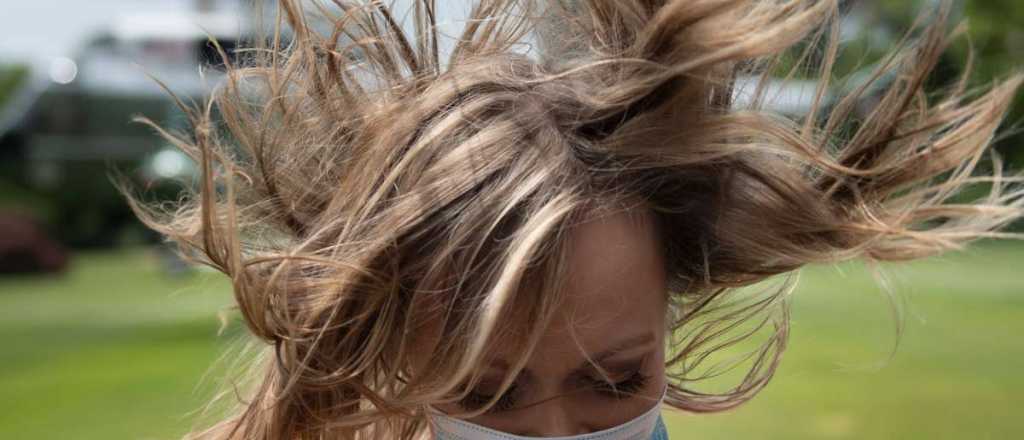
[(10, 79), (995, 27), (997, 38), (994, 32)]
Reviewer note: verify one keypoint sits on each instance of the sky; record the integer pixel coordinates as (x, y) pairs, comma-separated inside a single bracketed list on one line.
[(42, 32), (36, 32), (31, 30)]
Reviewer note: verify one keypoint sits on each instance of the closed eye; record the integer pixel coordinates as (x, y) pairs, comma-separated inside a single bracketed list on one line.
[(622, 389), (476, 400)]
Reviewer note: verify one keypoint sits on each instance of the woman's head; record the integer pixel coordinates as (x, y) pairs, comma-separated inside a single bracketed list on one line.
[(404, 234), (600, 360)]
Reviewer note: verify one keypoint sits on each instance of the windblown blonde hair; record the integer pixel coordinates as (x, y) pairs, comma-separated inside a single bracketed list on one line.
[(350, 179)]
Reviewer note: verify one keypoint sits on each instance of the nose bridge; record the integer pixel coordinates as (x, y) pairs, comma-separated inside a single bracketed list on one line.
[(556, 418)]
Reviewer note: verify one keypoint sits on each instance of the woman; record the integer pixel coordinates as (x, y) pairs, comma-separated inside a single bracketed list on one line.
[(491, 244)]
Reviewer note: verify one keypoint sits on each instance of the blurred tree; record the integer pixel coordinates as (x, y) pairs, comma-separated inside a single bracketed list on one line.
[(996, 32), (15, 199), (13, 196), (10, 78)]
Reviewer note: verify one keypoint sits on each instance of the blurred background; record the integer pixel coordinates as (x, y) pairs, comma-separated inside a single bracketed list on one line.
[(109, 335)]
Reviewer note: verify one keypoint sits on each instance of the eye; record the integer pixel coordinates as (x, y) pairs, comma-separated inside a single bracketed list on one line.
[(475, 400), (622, 389)]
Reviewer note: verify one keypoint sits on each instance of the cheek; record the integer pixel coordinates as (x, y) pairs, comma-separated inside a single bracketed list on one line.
[(447, 408)]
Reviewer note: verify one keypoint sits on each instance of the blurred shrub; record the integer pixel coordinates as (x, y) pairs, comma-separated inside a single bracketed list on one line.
[(996, 33), (10, 78)]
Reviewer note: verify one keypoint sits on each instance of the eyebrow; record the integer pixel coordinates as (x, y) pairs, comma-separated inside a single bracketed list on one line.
[(623, 345)]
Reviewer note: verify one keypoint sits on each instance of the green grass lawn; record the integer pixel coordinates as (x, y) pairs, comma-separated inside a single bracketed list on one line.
[(116, 349), (957, 373)]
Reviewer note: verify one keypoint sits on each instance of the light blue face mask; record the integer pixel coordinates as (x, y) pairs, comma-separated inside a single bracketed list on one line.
[(647, 426)]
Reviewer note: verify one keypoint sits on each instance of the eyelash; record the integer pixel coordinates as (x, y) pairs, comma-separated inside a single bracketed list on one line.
[(475, 400), (623, 389)]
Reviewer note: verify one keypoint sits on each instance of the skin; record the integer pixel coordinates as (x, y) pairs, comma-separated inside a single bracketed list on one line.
[(615, 299)]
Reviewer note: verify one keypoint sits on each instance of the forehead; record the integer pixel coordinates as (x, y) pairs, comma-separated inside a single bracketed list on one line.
[(615, 291), (616, 276)]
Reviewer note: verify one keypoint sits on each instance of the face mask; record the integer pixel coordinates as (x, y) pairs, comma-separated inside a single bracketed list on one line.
[(647, 426)]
